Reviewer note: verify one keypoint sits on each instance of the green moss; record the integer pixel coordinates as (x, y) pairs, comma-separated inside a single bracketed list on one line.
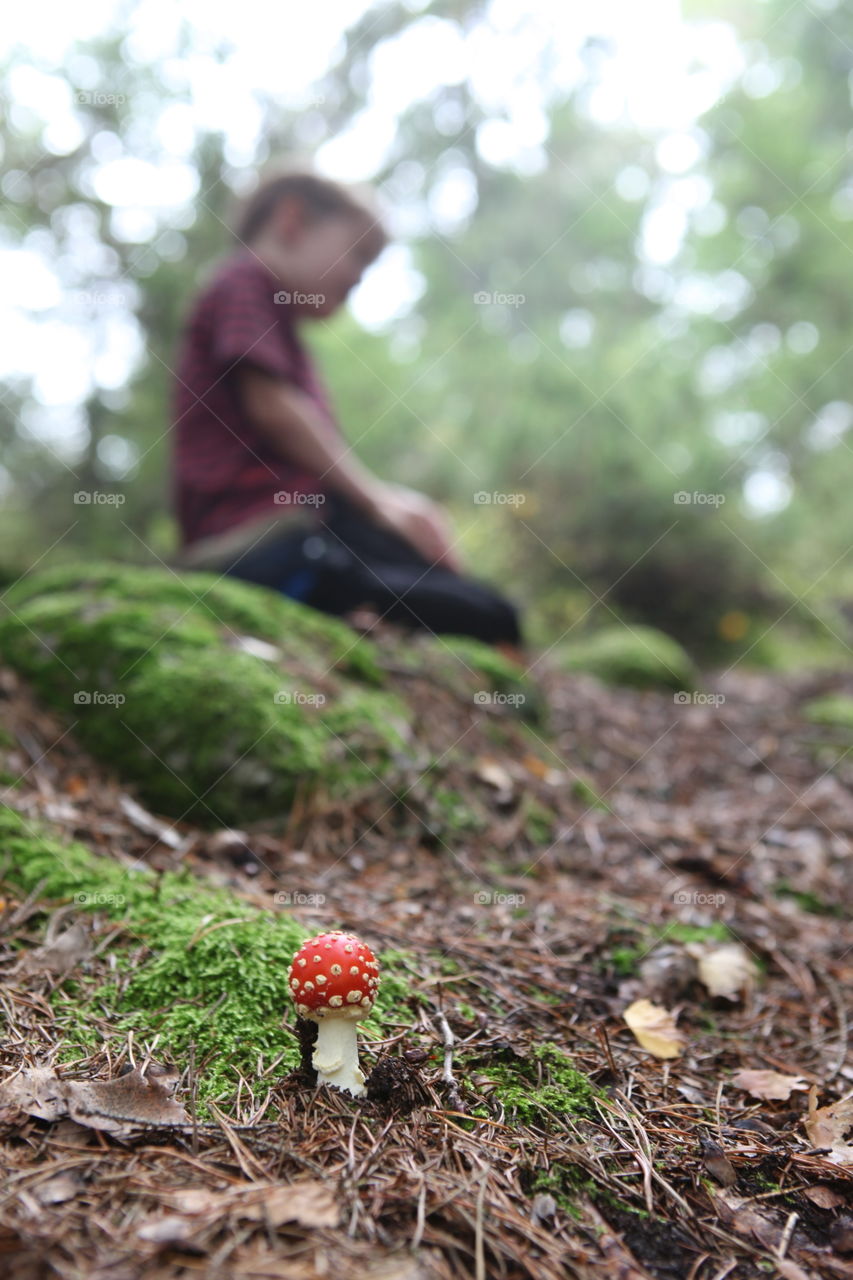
[(637, 656), (808, 901), (628, 947), (498, 672), (587, 794), (477, 671), (564, 1182), (456, 814), (675, 931), (239, 608), (546, 1081), (538, 821), (213, 970), (625, 960), (835, 710), (147, 667)]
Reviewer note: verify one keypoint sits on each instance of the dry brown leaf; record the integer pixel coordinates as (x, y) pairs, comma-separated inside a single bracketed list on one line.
[(130, 1101), (654, 1029), (59, 955), (170, 1229), (35, 1091), (828, 1126), (769, 1085), (201, 1201), (308, 1202), (717, 1163), (61, 1187), (724, 971), (824, 1197), (742, 1216), (539, 769), (494, 774), (133, 1099)]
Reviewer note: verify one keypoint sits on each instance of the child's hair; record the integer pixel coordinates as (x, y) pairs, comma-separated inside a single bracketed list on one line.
[(322, 197)]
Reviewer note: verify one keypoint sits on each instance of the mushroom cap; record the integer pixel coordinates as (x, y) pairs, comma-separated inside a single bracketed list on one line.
[(334, 975)]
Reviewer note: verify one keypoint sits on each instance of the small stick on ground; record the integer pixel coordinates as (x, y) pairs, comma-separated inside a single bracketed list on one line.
[(453, 1095)]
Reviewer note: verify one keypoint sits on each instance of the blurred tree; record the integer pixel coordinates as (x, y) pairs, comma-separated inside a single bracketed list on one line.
[(562, 416)]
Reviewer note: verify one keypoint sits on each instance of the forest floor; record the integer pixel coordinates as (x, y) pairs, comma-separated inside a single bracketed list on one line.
[(605, 861)]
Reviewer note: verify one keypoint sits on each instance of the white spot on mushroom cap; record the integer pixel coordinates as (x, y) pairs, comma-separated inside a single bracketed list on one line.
[(321, 978), (353, 996), (336, 969), (335, 1001)]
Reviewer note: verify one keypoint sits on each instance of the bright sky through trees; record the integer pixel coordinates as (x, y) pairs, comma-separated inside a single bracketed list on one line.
[(659, 73)]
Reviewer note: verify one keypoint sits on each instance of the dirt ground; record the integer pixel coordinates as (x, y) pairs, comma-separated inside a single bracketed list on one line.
[(583, 868)]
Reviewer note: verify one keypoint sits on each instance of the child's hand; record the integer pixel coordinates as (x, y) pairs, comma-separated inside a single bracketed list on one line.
[(420, 521)]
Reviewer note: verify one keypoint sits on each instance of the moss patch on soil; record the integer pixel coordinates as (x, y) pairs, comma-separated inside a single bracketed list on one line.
[(637, 656), (487, 676), (835, 711), (545, 1082), (193, 965)]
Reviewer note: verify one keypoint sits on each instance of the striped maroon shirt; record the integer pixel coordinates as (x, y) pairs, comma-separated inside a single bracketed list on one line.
[(224, 472)]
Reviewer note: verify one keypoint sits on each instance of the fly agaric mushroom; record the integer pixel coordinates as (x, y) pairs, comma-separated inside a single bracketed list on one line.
[(333, 980)]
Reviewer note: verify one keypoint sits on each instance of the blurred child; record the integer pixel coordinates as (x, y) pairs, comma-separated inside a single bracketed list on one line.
[(265, 485)]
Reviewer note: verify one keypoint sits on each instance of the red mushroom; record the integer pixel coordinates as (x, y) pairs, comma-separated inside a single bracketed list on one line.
[(333, 980)]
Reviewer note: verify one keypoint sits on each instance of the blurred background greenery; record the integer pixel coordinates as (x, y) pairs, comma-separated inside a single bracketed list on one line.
[(655, 200)]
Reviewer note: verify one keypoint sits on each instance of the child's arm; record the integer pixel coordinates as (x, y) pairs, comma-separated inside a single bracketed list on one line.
[(288, 417)]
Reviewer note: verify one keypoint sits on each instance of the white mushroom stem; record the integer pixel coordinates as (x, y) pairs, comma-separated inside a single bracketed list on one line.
[(335, 1055)]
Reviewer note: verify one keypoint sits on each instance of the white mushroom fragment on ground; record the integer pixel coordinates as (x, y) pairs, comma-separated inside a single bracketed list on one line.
[(334, 979)]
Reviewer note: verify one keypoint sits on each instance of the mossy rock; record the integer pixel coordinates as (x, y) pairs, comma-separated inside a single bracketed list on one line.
[(835, 711), (238, 607), (155, 674), (637, 656)]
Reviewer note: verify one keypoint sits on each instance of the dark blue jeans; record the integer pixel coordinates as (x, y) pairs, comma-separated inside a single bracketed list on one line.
[(349, 562)]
